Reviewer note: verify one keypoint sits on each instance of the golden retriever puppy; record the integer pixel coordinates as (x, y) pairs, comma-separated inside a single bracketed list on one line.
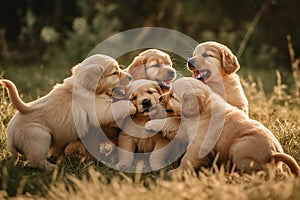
[(134, 138), (215, 65), (68, 111), (152, 64), (223, 129)]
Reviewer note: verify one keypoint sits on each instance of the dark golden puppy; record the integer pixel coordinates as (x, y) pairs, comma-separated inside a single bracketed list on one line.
[(152, 64), (66, 113), (221, 128), (215, 65), (145, 96)]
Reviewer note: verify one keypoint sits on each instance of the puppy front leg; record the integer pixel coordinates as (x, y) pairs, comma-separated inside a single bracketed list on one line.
[(108, 113), (126, 151), (168, 127), (190, 160), (122, 109), (160, 152)]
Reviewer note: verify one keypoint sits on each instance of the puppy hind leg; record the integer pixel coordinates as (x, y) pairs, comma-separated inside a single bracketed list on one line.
[(246, 158), (248, 165), (37, 148)]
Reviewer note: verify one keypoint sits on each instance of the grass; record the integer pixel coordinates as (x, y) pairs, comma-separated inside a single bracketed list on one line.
[(78, 179)]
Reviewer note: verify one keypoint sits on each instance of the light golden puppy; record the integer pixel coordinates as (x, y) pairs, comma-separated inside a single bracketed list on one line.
[(152, 64), (215, 65), (134, 138), (223, 129), (68, 111)]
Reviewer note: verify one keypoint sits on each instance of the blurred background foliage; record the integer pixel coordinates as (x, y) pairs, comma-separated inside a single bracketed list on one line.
[(42, 31), (61, 33)]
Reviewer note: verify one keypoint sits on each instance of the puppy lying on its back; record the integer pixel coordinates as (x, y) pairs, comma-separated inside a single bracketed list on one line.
[(49, 121)]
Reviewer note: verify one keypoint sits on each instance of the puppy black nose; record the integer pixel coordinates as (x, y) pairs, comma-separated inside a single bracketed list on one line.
[(171, 73), (191, 64), (146, 103)]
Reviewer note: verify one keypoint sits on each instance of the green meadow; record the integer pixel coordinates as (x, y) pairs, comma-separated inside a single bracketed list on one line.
[(272, 102)]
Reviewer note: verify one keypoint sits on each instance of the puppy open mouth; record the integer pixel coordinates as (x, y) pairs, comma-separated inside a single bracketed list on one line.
[(165, 84), (201, 75), (169, 111), (119, 92), (147, 110)]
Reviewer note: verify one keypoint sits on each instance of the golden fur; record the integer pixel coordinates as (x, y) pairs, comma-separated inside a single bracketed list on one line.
[(151, 64), (49, 121), (134, 138), (215, 65), (244, 142)]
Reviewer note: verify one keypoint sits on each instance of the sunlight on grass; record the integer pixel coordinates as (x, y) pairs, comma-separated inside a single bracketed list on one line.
[(79, 179)]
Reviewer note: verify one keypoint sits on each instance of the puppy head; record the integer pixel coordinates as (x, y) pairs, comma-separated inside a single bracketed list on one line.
[(144, 94), (99, 74), (188, 96), (153, 64), (211, 59)]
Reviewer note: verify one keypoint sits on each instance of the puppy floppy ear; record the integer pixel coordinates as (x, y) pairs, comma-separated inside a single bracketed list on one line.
[(137, 69), (229, 61), (89, 76), (158, 88), (190, 105)]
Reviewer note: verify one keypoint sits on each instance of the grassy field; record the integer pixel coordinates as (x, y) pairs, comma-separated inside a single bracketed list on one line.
[(270, 101)]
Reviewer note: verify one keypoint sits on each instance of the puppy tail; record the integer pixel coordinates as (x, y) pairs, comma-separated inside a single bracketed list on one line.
[(289, 161), (14, 96)]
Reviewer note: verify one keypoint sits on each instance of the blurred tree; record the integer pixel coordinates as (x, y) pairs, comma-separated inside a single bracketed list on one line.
[(224, 21)]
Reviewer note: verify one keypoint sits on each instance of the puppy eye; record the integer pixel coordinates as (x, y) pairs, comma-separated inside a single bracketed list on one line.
[(205, 55), (133, 98), (156, 65), (115, 73), (150, 92)]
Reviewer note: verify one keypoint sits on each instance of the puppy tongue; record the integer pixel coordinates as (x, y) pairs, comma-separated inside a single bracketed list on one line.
[(196, 75), (168, 82), (123, 91)]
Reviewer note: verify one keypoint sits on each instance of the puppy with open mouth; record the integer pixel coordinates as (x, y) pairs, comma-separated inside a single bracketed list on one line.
[(215, 65), (153, 64)]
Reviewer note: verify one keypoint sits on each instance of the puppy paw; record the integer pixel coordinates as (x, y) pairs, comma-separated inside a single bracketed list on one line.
[(158, 112), (174, 173), (106, 148), (155, 125), (121, 166), (131, 108), (123, 109)]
